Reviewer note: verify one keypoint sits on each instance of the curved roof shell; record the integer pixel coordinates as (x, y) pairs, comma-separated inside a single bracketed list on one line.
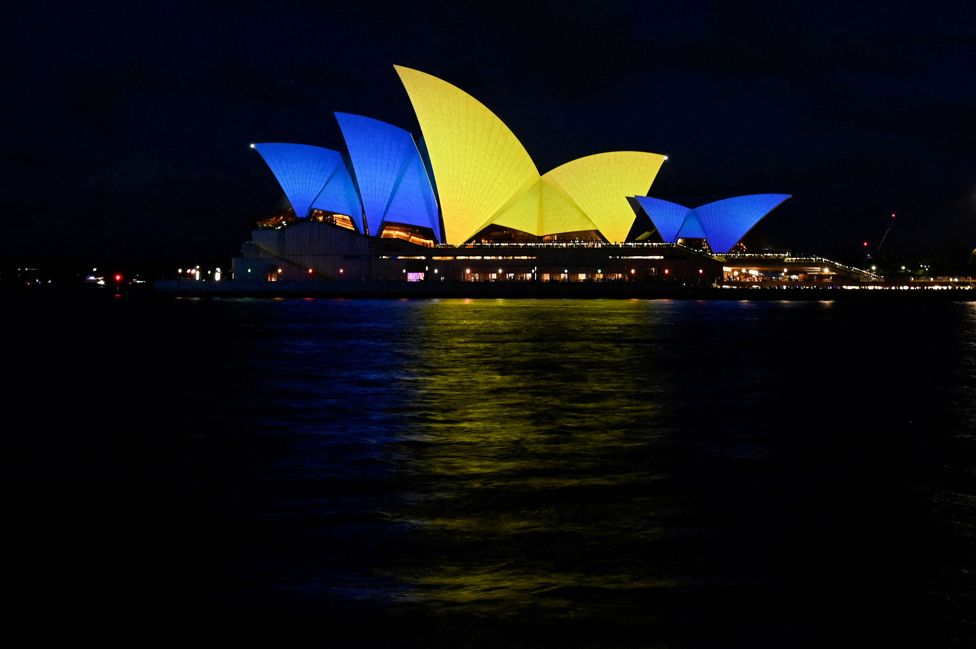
[(600, 184), (722, 223), (485, 176), (478, 163), (727, 221), (666, 216), (390, 174), (312, 177)]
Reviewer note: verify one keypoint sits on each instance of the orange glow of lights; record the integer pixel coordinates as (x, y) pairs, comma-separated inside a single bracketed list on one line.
[(311, 270), (632, 271)]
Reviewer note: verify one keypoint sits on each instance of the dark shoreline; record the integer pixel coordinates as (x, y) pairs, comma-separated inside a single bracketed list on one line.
[(548, 290)]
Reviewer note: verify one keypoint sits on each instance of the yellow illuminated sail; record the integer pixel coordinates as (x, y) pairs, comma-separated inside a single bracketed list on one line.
[(560, 213), (524, 211), (544, 209), (478, 163), (484, 175), (600, 184)]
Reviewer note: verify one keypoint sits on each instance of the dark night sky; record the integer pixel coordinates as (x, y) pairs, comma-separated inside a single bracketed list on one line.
[(126, 126)]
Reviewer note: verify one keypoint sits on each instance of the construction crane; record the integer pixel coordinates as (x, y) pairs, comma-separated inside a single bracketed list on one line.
[(867, 244), (891, 224)]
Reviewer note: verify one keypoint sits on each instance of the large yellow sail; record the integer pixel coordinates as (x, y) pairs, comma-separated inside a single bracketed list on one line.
[(484, 175), (600, 184), (544, 209), (478, 163), (524, 211), (560, 213)]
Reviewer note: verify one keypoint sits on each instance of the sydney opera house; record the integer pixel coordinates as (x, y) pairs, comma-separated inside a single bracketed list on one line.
[(469, 204)]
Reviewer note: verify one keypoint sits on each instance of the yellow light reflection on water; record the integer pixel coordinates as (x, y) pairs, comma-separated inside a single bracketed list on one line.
[(506, 457)]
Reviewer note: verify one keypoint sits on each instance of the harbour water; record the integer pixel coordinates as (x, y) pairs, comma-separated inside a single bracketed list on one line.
[(517, 473)]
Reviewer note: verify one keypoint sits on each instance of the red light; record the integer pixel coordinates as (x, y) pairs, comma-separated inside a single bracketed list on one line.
[(865, 244), (118, 277), (667, 271), (893, 215), (701, 272)]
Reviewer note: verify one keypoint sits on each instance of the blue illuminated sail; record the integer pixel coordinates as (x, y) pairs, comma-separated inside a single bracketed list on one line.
[(723, 223), (339, 194), (726, 221), (667, 217), (311, 177), (691, 228), (391, 176)]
